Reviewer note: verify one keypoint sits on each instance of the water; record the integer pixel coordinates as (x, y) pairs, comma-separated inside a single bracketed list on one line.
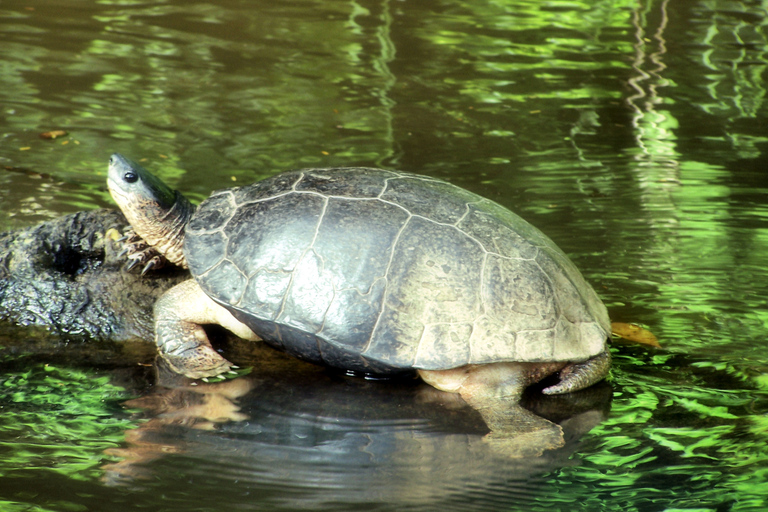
[(633, 134)]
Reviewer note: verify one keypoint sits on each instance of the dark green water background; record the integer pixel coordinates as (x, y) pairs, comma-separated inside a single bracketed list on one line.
[(633, 133)]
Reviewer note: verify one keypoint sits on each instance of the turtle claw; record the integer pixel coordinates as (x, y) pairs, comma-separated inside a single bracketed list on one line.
[(154, 263), (132, 264), (224, 376), (139, 252)]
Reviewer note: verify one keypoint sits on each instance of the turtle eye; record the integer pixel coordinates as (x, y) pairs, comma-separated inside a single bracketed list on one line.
[(130, 177)]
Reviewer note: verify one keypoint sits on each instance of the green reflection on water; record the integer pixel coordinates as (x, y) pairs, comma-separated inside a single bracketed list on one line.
[(671, 445), (59, 420)]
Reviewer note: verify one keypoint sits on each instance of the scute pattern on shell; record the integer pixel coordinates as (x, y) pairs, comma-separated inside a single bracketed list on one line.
[(379, 271)]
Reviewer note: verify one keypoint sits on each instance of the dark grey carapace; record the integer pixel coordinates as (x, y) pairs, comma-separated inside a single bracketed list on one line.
[(377, 271)]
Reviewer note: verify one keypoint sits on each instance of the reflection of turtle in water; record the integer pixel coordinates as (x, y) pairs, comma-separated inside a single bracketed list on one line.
[(376, 272)]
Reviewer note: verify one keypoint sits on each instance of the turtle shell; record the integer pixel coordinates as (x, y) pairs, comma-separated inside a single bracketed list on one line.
[(379, 271)]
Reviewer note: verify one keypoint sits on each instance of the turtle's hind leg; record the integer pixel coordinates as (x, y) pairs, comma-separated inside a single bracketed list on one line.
[(576, 376), (181, 340)]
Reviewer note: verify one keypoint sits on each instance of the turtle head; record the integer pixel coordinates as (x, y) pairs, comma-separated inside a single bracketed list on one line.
[(135, 188), (156, 212)]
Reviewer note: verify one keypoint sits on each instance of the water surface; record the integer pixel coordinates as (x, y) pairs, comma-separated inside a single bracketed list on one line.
[(633, 134)]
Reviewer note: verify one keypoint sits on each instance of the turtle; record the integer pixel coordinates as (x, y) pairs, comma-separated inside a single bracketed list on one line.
[(375, 272)]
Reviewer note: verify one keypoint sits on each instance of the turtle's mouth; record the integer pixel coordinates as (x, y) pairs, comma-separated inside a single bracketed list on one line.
[(118, 195)]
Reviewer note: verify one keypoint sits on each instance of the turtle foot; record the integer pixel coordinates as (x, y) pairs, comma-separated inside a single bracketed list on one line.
[(140, 253), (581, 375), (179, 316), (198, 363)]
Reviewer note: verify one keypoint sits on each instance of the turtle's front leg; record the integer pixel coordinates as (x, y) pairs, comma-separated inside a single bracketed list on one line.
[(139, 252), (181, 340)]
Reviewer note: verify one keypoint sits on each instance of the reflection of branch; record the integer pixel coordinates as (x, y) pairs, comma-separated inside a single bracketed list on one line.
[(653, 128), (656, 57), (634, 82)]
